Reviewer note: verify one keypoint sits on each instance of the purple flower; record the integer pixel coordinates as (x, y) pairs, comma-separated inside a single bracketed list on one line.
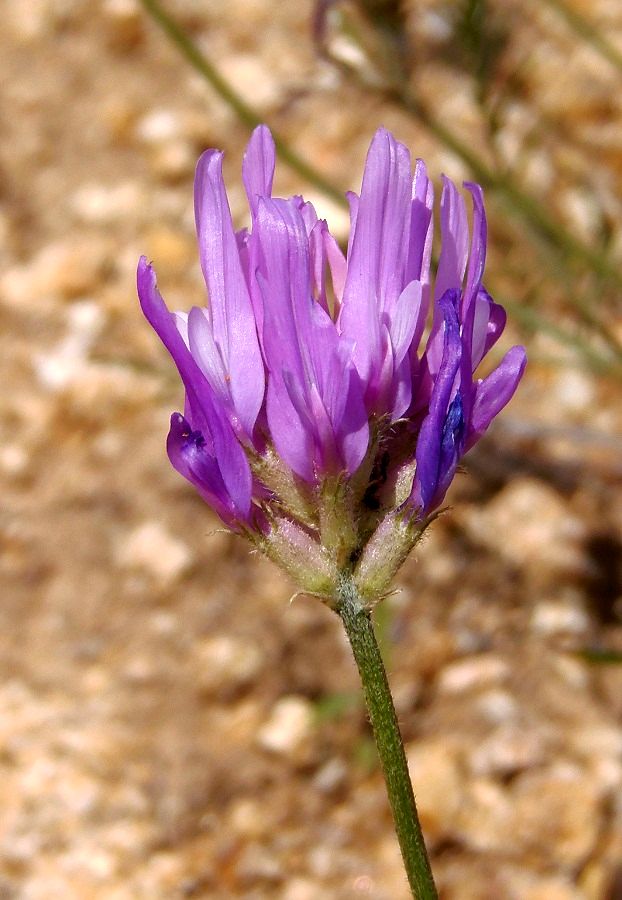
[(309, 398)]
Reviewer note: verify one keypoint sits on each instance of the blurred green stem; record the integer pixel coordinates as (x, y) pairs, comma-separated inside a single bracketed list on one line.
[(245, 113), (359, 628), (518, 200), (587, 32)]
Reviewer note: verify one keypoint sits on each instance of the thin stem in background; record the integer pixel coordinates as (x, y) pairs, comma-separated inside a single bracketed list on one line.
[(245, 113), (357, 622), (517, 201), (249, 117), (586, 31)]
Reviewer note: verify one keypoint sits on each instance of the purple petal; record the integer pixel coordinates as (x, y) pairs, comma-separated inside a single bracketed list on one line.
[(258, 166), (208, 415), (379, 246), (451, 266), (231, 313), (337, 265), (302, 340), (190, 456), (164, 324), (432, 451), (421, 226), (206, 353), (488, 325), (353, 202), (477, 255), (454, 240), (292, 438), (317, 249), (406, 320), (495, 391)]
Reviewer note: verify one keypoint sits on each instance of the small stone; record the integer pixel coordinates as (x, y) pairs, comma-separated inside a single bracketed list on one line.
[(66, 362), (553, 889), (152, 548), (103, 204), (550, 618), (256, 864), (64, 270), (437, 782), (123, 22), (248, 819), (528, 524), (174, 251), (472, 674), (14, 460), (557, 815), (159, 127), (497, 706), (173, 161), (252, 77), (289, 727), (594, 741), (227, 664), (331, 776), (573, 392), (301, 889), (509, 749), (485, 818)]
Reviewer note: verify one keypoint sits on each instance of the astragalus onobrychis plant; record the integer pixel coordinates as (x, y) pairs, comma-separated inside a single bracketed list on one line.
[(329, 398)]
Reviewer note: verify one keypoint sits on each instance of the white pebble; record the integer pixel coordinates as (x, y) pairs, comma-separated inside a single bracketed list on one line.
[(289, 726), (152, 548)]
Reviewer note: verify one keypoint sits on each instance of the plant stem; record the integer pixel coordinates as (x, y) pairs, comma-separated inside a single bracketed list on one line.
[(587, 32), (357, 621), (245, 113)]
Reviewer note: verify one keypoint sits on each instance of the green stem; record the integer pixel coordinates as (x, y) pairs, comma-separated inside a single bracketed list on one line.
[(245, 113), (588, 32), (357, 621)]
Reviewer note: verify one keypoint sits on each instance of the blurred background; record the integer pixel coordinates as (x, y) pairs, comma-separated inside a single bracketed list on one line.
[(170, 726)]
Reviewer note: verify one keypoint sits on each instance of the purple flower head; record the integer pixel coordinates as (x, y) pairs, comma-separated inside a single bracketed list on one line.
[(311, 408)]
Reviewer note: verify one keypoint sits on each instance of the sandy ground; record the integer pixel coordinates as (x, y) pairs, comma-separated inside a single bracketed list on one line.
[(170, 726)]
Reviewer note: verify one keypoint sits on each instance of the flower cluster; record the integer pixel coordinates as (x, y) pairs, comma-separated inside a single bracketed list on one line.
[(313, 422)]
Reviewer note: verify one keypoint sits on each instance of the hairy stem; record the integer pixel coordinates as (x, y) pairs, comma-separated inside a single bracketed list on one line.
[(357, 621)]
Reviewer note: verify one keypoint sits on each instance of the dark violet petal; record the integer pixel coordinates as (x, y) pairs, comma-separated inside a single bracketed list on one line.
[(451, 266), (258, 166), (429, 454), (231, 312), (208, 415), (488, 325), (495, 391), (452, 445), (189, 454)]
